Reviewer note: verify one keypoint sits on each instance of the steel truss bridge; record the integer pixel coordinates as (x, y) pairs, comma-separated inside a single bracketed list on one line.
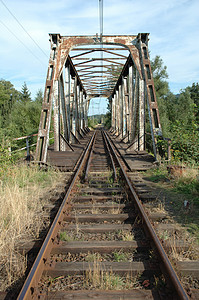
[(116, 67)]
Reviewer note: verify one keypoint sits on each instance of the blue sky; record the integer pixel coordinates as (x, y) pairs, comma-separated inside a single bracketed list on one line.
[(173, 26)]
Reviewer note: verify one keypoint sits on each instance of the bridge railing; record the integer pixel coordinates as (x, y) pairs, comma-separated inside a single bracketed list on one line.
[(27, 139)]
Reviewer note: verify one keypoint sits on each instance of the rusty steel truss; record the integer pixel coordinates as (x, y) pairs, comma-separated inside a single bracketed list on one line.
[(115, 67)]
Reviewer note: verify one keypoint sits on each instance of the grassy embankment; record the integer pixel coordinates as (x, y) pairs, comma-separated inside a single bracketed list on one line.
[(177, 188), (21, 191)]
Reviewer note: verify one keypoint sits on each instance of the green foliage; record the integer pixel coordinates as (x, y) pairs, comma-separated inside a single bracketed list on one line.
[(185, 143), (6, 159), (120, 256), (19, 116), (107, 120), (25, 119), (159, 174), (25, 94), (160, 75), (65, 237), (179, 116), (179, 187), (8, 96), (39, 97), (92, 122), (194, 94), (188, 185)]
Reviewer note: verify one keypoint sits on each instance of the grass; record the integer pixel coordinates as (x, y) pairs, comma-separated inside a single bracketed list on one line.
[(65, 237), (178, 189), (120, 256), (93, 257), (157, 175), (180, 254), (97, 278), (71, 236), (116, 210), (125, 235), (21, 191)]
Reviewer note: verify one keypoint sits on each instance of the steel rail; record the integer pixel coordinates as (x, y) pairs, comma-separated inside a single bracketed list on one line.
[(30, 286), (167, 265), (111, 157), (120, 155), (89, 159)]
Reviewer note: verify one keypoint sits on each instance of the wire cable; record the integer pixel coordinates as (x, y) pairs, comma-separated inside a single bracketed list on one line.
[(21, 41), (23, 28), (101, 17)]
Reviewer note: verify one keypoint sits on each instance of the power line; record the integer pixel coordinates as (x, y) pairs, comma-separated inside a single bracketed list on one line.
[(23, 28), (21, 41), (101, 31), (101, 17)]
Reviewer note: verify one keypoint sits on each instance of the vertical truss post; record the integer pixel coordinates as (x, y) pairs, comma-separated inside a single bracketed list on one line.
[(115, 121), (73, 105), (86, 106), (126, 103), (123, 108), (117, 112), (63, 123), (135, 110), (130, 90), (113, 112), (141, 133), (150, 90), (67, 85), (56, 116), (81, 109), (120, 110), (45, 120), (77, 106)]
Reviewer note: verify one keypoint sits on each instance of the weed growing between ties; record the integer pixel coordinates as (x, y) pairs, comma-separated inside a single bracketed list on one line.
[(21, 191), (120, 256), (125, 235), (97, 278)]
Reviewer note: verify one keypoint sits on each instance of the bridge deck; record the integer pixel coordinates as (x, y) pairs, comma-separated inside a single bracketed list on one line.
[(136, 160), (66, 160)]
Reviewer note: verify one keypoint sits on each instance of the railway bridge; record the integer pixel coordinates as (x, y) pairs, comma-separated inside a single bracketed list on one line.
[(103, 240), (81, 68)]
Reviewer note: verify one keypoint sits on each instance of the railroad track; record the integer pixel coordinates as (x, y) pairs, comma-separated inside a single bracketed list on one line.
[(101, 244)]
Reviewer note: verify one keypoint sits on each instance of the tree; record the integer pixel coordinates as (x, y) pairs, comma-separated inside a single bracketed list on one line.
[(194, 94), (24, 114), (39, 96), (8, 96), (25, 94), (160, 77), (163, 93)]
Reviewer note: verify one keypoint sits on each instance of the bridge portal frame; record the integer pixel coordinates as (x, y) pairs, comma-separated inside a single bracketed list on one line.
[(66, 95)]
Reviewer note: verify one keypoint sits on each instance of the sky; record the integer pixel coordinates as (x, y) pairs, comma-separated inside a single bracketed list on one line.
[(173, 26)]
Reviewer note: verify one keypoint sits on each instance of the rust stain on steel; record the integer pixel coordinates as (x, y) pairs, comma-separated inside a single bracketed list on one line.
[(89, 40), (67, 43), (136, 59)]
